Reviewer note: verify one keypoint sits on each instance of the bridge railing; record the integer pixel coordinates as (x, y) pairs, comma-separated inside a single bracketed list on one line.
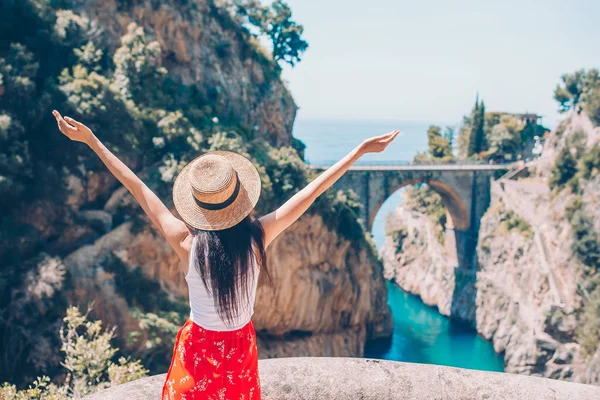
[(382, 163)]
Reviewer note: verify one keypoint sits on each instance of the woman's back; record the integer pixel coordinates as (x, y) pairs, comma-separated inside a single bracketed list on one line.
[(203, 307)]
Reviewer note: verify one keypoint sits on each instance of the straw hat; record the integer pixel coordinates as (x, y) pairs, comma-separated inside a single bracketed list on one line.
[(216, 191)]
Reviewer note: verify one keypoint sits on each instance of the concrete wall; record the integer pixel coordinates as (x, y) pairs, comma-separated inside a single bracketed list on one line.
[(353, 378)]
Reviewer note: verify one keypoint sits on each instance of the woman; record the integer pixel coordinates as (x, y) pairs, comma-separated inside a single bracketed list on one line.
[(222, 251)]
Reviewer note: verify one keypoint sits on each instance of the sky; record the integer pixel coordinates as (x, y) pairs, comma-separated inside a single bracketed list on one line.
[(425, 61)]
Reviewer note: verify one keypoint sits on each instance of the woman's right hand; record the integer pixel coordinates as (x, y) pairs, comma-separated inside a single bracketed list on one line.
[(377, 144), (72, 129)]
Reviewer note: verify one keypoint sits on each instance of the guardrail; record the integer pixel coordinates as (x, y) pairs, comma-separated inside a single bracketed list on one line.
[(422, 167), (328, 163)]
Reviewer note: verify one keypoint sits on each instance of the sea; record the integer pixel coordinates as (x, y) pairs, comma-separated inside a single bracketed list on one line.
[(421, 334)]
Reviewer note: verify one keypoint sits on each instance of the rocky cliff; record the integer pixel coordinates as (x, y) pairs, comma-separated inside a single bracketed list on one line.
[(328, 295), (78, 237), (415, 260), (203, 48), (532, 285)]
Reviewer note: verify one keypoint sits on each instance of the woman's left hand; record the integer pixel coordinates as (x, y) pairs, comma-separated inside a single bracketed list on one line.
[(378, 143), (72, 129)]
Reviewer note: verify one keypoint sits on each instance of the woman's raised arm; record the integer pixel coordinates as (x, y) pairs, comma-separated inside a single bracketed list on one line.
[(280, 219), (173, 229)]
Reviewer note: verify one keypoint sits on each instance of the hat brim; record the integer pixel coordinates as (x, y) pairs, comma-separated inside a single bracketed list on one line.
[(216, 220)]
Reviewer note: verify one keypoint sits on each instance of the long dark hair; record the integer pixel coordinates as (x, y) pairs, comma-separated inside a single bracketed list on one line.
[(224, 260)]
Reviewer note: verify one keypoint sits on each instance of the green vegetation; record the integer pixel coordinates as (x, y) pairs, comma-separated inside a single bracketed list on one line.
[(588, 329), (567, 170), (51, 57), (517, 224), (496, 136), (580, 90), (590, 162), (477, 132), (564, 170), (398, 236), (511, 222), (340, 211), (439, 144), (574, 166), (89, 361), (423, 199), (586, 242), (275, 22)]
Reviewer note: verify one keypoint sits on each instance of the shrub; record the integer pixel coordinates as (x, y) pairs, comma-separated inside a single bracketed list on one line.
[(88, 361), (511, 222), (287, 174), (588, 331), (563, 170), (590, 162), (340, 212), (592, 104), (515, 223), (586, 243), (398, 236), (423, 199)]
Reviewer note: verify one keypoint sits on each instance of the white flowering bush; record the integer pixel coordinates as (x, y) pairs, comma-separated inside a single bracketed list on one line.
[(88, 362)]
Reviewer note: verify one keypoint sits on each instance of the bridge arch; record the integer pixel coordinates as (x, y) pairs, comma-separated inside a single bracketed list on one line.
[(457, 210), (465, 191)]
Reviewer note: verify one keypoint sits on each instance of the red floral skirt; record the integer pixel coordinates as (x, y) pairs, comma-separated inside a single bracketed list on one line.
[(213, 365)]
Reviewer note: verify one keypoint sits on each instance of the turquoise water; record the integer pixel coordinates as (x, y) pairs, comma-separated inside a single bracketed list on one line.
[(421, 334)]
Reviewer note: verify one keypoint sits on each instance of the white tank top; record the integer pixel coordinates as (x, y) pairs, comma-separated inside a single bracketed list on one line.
[(203, 311)]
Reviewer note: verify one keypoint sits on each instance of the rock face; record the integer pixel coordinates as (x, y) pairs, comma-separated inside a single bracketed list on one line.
[(343, 378), (328, 296), (530, 286), (417, 262), (202, 48), (523, 305)]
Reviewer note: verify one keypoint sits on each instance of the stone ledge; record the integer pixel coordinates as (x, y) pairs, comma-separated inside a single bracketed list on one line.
[(356, 378)]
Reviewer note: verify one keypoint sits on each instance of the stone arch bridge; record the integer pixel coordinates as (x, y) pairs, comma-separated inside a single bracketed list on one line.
[(464, 189)]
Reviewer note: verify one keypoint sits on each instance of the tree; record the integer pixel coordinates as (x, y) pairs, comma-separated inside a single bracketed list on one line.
[(569, 91), (439, 146), (286, 35), (564, 169), (502, 141), (477, 131), (276, 23), (449, 135)]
